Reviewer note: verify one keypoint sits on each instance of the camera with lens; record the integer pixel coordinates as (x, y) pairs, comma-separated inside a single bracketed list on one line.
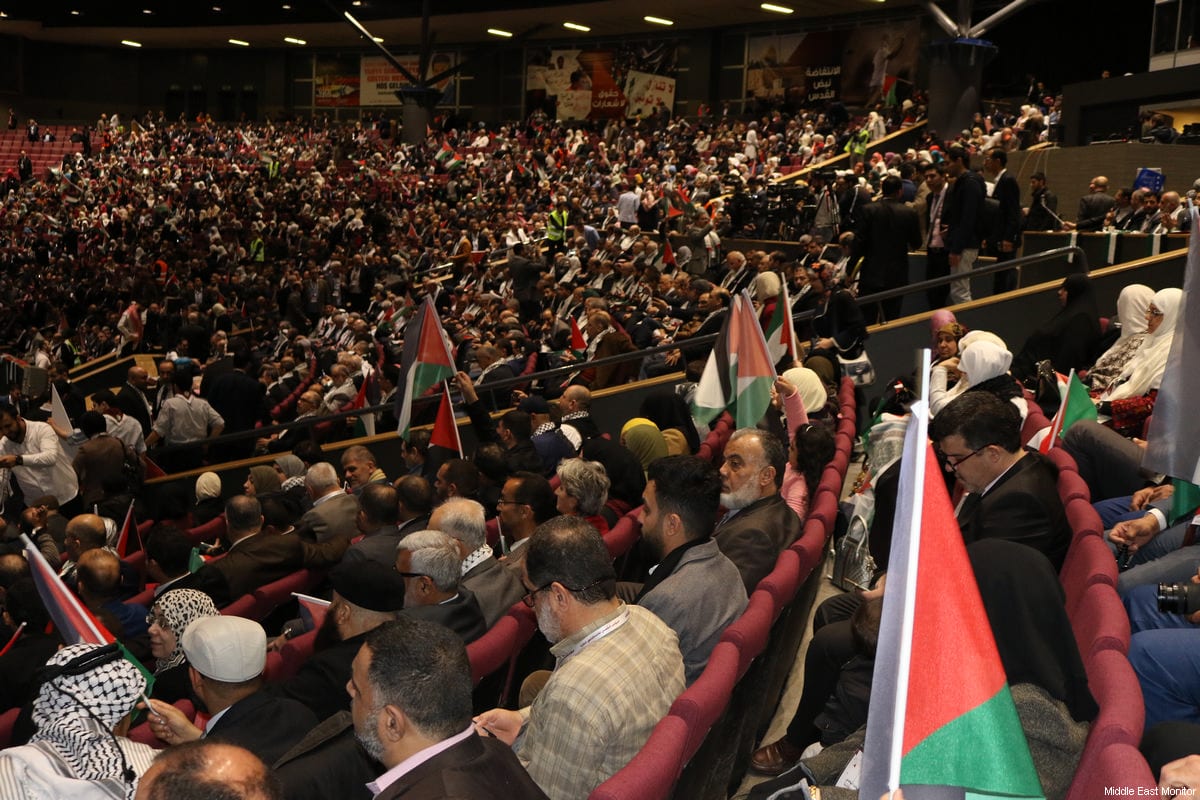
[(1179, 598)]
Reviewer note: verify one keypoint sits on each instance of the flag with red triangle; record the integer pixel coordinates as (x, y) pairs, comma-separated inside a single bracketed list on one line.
[(739, 372), (128, 541), (75, 624), (889, 90), (427, 360), (1076, 405), (577, 342), (781, 330), (445, 429), (942, 722), (668, 256), (312, 610)]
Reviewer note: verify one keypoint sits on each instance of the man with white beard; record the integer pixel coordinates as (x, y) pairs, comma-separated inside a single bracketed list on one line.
[(759, 524)]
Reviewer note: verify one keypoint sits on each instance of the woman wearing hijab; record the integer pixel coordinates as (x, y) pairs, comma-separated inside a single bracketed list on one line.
[(644, 440), (262, 480), (984, 366), (1130, 399), (209, 504), (290, 470), (628, 480), (1132, 305), (170, 615), (80, 750), (766, 294), (1068, 339), (945, 342), (946, 380), (670, 413)]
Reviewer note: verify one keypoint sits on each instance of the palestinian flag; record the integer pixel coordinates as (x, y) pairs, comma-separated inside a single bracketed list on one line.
[(577, 342), (889, 91), (668, 255), (1184, 500), (128, 541), (1173, 441), (1076, 405), (74, 622), (739, 372), (427, 360), (445, 429), (942, 723), (455, 161), (781, 331), (444, 153), (312, 610)]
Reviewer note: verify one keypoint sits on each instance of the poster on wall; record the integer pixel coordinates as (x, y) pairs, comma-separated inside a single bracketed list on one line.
[(337, 81), (380, 80), (860, 67), (571, 84)]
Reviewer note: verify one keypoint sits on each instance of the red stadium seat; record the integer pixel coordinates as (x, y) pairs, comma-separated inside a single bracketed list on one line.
[(294, 654), (1100, 622), (783, 581), (702, 703), (1117, 765), (750, 631), (1116, 690), (244, 606), (623, 535), (501, 646), (7, 720), (1088, 561), (215, 528), (278, 592)]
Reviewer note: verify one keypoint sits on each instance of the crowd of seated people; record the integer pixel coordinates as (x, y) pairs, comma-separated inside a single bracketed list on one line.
[(276, 280)]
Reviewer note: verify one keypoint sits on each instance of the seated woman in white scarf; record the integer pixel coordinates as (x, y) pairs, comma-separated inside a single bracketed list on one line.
[(1132, 304), (1130, 399), (940, 391)]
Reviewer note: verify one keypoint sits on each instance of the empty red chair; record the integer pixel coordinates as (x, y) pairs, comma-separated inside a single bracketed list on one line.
[(294, 654), (213, 529), (244, 606), (652, 773), (278, 592)]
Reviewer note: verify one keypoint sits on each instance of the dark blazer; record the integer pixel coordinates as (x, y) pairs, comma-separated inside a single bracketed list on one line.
[(251, 563), (1092, 209), (496, 399), (266, 725), (494, 587), (378, 545), (1024, 507), (1008, 194), (755, 536), (328, 762), (321, 683), (461, 615), (132, 401), (474, 769), (886, 231), (963, 213)]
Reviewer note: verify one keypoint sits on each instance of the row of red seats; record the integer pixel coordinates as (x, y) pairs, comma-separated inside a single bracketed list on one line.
[(654, 771)]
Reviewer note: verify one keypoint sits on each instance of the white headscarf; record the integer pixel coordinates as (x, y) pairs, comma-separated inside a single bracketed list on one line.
[(1131, 308), (968, 341), (984, 360), (810, 386), (1145, 370)]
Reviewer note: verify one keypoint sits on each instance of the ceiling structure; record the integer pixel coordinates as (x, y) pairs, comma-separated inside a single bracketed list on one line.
[(264, 23)]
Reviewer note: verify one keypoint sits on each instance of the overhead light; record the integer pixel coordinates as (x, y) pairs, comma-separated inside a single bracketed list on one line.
[(356, 3), (147, 11), (75, 12), (377, 39), (130, 43), (217, 9), (499, 32), (239, 42), (575, 26), (776, 9), (293, 40), (286, 7), (659, 20), (4, 14)]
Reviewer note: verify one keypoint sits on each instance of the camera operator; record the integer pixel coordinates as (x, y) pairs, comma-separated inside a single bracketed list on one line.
[(1154, 551)]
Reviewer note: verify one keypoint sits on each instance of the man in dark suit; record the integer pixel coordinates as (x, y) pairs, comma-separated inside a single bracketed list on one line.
[(334, 512), (432, 570), (937, 259), (254, 558), (133, 400), (759, 524), (397, 717), (378, 515), (495, 588), (494, 369), (886, 231), (238, 398), (1012, 491), (961, 220), (226, 657), (1006, 233), (365, 596), (24, 167), (1093, 206)]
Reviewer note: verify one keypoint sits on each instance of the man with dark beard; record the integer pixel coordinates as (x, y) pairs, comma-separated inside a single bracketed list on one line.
[(695, 588), (365, 595)]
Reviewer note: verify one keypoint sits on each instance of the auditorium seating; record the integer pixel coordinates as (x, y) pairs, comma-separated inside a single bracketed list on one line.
[(215, 528), (500, 647), (7, 720)]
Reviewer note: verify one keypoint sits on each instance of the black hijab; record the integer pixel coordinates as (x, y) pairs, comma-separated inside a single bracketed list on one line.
[(668, 410), (623, 467), (1024, 603)]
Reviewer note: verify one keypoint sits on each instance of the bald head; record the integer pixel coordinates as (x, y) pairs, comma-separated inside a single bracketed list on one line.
[(99, 575), (137, 377), (577, 398), (204, 769), (84, 532)]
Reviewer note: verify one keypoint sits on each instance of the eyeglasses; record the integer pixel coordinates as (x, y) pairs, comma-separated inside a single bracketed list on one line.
[(156, 619), (1153, 312), (952, 463), (503, 502), (529, 597), (410, 574)]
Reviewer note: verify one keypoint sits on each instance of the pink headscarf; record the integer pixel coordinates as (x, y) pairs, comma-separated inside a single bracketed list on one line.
[(941, 318)]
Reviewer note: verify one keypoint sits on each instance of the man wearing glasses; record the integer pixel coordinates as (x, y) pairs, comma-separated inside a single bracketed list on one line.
[(618, 667), (1012, 491)]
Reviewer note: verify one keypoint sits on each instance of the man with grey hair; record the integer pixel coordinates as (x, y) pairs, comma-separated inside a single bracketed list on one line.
[(334, 512), (430, 564), (495, 588), (360, 469), (759, 524)]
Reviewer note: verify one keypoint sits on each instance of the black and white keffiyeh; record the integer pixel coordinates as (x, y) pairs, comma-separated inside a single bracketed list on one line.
[(83, 740), (179, 608)]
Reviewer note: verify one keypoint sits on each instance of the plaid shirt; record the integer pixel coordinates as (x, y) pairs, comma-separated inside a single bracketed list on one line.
[(600, 705)]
